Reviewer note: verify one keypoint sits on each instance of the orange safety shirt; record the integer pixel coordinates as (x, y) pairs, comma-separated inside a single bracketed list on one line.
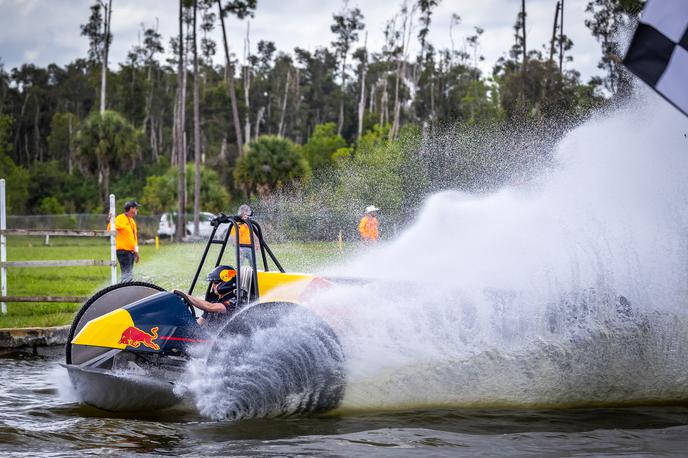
[(368, 228), (244, 234), (127, 234)]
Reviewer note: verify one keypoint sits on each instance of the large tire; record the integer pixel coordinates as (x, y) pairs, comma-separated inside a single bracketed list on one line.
[(274, 359), (102, 302)]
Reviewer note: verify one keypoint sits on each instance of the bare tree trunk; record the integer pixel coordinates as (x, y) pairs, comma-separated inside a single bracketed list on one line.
[(554, 33), (259, 120), (280, 129), (37, 135), (180, 230), (433, 115), (149, 120), (268, 112), (384, 102), (106, 51), (197, 129), (229, 76), (401, 71), (340, 122), (397, 103), (223, 150), (523, 25), (561, 40), (104, 182), (371, 98), (174, 155), (247, 83), (361, 101), (297, 108), (71, 145), (18, 130)]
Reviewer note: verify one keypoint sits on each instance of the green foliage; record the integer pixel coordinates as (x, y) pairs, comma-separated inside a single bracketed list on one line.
[(49, 125), (540, 91), (342, 154), (16, 184), (160, 192), (269, 163), (321, 146), (386, 174), (75, 193), (107, 142), (16, 178), (6, 123), (609, 19), (51, 206), (63, 128), (377, 136), (480, 104)]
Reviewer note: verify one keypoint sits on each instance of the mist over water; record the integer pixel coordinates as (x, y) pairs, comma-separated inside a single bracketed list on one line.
[(514, 298), (566, 290)]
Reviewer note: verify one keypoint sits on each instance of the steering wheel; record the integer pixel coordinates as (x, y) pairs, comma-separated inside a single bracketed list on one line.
[(186, 300)]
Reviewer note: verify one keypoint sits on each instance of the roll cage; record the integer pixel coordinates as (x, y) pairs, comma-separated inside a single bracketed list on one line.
[(255, 231)]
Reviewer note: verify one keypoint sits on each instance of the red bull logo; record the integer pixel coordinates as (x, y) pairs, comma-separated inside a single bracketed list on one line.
[(134, 337)]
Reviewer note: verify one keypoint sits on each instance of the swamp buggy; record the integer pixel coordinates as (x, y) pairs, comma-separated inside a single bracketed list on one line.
[(130, 343)]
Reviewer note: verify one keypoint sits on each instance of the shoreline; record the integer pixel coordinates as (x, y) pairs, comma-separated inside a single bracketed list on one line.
[(33, 340)]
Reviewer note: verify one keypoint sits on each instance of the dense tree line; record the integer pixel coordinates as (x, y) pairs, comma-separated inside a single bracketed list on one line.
[(337, 118)]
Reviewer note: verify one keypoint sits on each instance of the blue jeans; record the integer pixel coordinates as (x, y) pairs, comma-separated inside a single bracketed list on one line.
[(126, 263)]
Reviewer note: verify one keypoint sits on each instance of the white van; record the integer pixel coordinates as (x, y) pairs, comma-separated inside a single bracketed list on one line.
[(167, 225)]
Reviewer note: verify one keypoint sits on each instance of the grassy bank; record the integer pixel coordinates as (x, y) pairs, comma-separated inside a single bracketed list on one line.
[(171, 266)]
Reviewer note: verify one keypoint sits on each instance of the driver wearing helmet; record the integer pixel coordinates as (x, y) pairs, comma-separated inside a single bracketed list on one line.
[(222, 296)]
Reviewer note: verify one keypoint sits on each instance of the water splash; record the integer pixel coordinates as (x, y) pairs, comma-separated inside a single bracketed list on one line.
[(568, 289), (270, 360)]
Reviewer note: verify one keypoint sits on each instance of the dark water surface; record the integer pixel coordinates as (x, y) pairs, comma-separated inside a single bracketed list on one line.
[(37, 418)]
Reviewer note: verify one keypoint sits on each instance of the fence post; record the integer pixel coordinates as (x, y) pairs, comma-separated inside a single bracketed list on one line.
[(113, 231), (3, 242)]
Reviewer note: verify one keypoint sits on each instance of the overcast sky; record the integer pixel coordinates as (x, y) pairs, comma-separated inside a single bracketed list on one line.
[(47, 31)]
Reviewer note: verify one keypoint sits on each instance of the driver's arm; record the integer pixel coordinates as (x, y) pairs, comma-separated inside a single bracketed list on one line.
[(212, 307)]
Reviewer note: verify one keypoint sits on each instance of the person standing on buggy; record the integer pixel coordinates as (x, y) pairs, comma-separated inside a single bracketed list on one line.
[(220, 302), (245, 212)]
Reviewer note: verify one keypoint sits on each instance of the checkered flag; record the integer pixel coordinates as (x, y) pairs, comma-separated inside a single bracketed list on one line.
[(658, 53)]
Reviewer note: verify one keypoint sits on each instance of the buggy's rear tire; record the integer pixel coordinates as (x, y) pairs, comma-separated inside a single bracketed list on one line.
[(274, 359)]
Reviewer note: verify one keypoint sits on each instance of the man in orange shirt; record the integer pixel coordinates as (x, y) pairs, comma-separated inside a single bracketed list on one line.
[(127, 241), (368, 227), (245, 212)]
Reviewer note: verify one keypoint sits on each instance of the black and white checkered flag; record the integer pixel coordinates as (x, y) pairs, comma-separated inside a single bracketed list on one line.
[(658, 53)]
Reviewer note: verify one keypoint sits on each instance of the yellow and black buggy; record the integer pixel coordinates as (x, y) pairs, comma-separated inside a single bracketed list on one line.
[(130, 343)]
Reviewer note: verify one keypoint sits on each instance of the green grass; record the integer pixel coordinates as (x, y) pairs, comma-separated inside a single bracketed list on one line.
[(173, 265)]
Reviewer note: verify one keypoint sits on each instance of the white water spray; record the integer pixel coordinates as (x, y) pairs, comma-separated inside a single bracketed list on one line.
[(567, 290), (513, 298)]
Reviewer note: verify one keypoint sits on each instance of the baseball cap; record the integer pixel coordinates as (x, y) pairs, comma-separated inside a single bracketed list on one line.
[(130, 204)]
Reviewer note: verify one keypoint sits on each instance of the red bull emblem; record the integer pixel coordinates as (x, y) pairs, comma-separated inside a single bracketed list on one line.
[(134, 337)]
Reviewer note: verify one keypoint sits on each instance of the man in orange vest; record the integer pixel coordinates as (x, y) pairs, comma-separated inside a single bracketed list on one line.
[(127, 241), (368, 227), (245, 212)]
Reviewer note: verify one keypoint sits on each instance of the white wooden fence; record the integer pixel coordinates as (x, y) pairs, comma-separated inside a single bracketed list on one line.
[(4, 264)]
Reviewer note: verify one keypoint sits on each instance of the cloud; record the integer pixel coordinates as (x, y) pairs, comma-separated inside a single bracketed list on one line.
[(48, 31)]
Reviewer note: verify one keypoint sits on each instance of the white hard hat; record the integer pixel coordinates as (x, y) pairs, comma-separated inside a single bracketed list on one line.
[(371, 208)]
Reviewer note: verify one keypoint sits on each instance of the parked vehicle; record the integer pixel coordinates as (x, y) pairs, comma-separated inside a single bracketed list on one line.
[(167, 227)]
